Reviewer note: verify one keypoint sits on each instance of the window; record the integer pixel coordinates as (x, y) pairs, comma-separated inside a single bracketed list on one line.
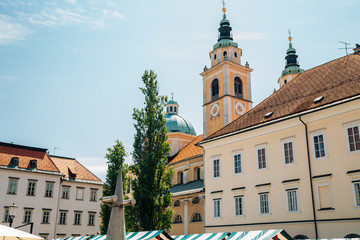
[(217, 208), (27, 215), (178, 219), (6, 215), (49, 187), (292, 200), (196, 200), (177, 203), (264, 203), (93, 194), (239, 210), (197, 173), (196, 218), (171, 108), (65, 192), (261, 157), (237, 163), (324, 196), (77, 218), (91, 219), (353, 138), (238, 88), (79, 193), (357, 193), (288, 152), (215, 89), (216, 168), (180, 178), (12, 188), (45, 216), (319, 145), (31, 188), (62, 217)]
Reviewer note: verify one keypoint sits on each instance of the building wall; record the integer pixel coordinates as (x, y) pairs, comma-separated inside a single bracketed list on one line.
[(278, 177)]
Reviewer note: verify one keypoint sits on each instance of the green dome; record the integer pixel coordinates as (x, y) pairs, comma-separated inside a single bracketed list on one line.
[(172, 102), (291, 70), (175, 123)]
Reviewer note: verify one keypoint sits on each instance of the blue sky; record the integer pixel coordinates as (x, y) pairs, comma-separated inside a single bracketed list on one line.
[(70, 70)]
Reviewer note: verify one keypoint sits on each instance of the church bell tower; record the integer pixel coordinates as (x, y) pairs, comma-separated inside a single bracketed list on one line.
[(227, 84)]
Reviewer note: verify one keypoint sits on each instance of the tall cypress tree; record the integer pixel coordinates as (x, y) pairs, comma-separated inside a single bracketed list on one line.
[(116, 157), (151, 187)]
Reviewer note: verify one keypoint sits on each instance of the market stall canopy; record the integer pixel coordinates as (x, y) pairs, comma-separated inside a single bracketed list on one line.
[(139, 236), (205, 236), (8, 233), (260, 235)]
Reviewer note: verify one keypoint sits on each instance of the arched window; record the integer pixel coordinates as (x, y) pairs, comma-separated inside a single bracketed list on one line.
[(180, 178), (285, 81), (178, 219), (196, 200), (177, 203), (225, 55), (215, 89), (300, 236), (197, 173), (238, 87), (196, 218)]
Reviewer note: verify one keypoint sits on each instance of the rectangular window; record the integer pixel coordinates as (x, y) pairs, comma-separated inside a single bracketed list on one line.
[(77, 218), (237, 163), (45, 217), (261, 157), (292, 200), (91, 219), (49, 189), (27, 215), (6, 215), (62, 217), (79, 193), (319, 146), (93, 194), (31, 188), (65, 192), (217, 208), (357, 193), (216, 168), (238, 205), (264, 203), (288, 152), (324, 197), (353, 138), (12, 188)]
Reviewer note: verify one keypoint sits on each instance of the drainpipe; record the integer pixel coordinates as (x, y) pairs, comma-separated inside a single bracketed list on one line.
[(310, 176)]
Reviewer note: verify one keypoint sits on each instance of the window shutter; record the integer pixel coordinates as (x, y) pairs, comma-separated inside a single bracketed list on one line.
[(324, 195)]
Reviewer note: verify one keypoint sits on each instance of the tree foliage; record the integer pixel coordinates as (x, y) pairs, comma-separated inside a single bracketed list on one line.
[(151, 187), (116, 157)]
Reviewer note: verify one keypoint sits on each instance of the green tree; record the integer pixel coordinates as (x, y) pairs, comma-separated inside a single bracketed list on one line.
[(116, 157), (151, 187)]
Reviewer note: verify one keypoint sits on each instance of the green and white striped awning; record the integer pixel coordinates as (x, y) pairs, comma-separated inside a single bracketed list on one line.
[(139, 236), (259, 235), (205, 236), (78, 238)]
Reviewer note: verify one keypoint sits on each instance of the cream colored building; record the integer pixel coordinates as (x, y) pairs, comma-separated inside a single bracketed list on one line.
[(58, 195), (293, 161)]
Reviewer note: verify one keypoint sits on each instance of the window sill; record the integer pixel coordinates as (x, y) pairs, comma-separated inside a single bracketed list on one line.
[(79, 199), (65, 198), (48, 196), (326, 209), (92, 201), (264, 214), (11, 193), (45, 223), (30, 195), (91, 225)]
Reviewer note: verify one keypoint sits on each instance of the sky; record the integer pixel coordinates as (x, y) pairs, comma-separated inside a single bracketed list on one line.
[(70, 70)]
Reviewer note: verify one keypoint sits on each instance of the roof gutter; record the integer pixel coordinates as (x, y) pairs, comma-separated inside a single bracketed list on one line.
[(282, 119)]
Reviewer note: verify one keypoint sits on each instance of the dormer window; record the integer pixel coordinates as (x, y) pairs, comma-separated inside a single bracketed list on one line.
[(14, 162), (33, 164)]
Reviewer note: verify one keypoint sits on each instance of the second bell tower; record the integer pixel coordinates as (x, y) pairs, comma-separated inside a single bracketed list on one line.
[(227, 84)]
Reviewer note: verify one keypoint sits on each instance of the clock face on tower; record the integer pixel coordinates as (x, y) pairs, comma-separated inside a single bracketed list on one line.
[(214, 110), (239, 108)]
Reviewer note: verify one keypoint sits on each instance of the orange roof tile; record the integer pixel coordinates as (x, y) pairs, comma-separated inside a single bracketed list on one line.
[(25, 154), (189, 151), (335, 80), (70, 166)]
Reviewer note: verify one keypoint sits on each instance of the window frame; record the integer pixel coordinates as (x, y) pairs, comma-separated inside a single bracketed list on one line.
[(13, 180), (80, 190), (77, 218), (62, 217), (67, 193), (93, 194), (259, 147), (49, 190), (288, 190), (6, 217), (241, 206), (286, 141), (91, 219), (323, 184), (178, 219), (241, 94), (27, 215), (234, 165), (316, 134), (196, 220), (347, 138), (356, 198), (43, 216), (268, 203), (217, 214), (216, 174), (212, 95), (31, 188)]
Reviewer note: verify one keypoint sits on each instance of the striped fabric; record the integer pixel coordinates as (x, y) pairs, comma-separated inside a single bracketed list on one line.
[(78, 238), (133, 235), (254, 235), (205, 236)]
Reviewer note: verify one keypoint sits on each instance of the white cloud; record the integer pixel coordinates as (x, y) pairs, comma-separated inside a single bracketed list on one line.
[(71, 1), (250, 36), (97, 166), (10, 30)]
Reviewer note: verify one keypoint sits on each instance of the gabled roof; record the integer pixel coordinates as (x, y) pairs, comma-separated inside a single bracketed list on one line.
[(71, 167), (335, 80), (25, 154), (189, 151)]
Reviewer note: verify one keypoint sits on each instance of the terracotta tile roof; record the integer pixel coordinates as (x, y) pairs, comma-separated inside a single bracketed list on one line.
[(335, 80), (70, 167), (25, 154), (189, 151)]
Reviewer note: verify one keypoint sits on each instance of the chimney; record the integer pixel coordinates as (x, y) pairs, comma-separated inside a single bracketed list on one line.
[(357, 49)]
